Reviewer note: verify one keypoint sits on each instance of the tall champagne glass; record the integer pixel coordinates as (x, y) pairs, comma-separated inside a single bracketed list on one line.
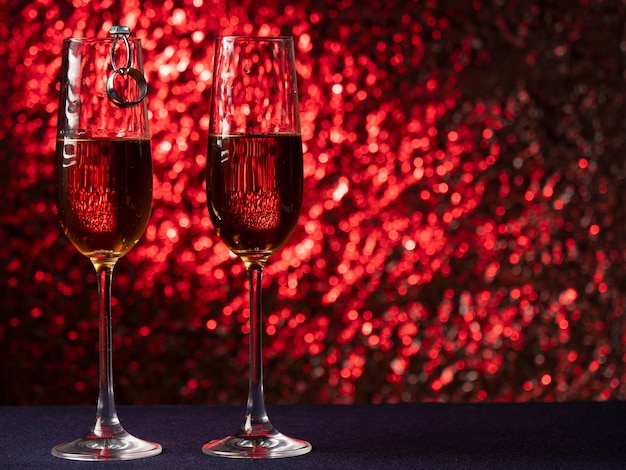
[(254, 188), (103, 179)]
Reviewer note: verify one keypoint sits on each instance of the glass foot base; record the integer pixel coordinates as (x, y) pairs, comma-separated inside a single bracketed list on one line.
[(270, 445), (122, 446)]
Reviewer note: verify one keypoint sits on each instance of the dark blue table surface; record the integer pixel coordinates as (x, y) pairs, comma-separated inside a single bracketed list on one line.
[(424, 435)]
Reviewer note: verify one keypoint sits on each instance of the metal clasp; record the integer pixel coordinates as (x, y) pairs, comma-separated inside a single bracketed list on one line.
[(117, 33)]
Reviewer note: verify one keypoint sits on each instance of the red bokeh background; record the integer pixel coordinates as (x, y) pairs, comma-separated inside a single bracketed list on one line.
[(462, 235)]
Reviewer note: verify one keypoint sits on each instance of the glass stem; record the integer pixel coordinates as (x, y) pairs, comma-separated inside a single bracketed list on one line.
[(107, 423), (256, 416)]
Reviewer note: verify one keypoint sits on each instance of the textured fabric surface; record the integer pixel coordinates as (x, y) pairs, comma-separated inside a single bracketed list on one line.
[(426, 435)]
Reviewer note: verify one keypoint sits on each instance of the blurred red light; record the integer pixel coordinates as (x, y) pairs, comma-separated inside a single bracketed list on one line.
[(454, 215)]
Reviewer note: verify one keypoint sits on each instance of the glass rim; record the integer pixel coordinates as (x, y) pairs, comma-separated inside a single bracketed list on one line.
[(103, 40), (255, 38)]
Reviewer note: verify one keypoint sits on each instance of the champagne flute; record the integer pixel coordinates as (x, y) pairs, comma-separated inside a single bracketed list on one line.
[(254, 188), (103, 182)]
